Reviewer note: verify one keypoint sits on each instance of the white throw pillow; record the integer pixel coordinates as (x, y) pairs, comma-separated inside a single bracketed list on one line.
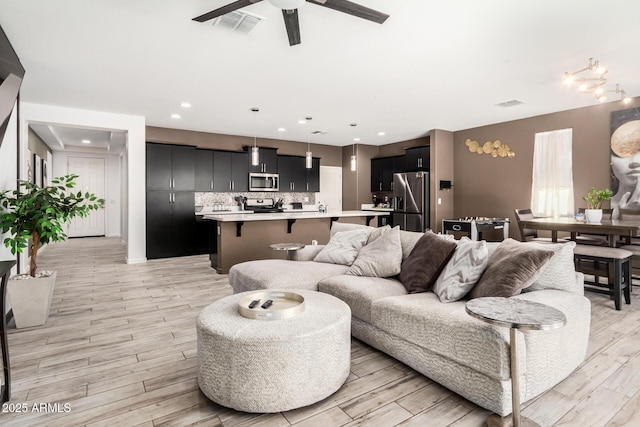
[(337, 227), (380, 258), (343, 247), (462, 271), (560, 270)]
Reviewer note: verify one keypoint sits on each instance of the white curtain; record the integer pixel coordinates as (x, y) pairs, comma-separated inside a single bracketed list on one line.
[(552, 186)]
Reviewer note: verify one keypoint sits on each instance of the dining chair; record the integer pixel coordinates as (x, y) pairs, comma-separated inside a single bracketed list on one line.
[(528, 234), (633, 244)]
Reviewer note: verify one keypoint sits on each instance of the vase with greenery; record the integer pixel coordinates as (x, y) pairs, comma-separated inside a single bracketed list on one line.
[(594, 199), (31, 216)]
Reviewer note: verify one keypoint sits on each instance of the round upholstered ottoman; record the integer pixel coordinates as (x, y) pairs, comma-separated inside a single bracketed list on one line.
[(256, 365)]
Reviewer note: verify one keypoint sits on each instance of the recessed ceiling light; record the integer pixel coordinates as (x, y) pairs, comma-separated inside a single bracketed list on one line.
[(381, 133), (175, 116), (185, 105), (302, 122), (86, 141), (281, 129), (356, 139)]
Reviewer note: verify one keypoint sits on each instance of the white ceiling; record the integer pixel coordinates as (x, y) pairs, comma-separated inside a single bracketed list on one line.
[(59, 137), (432, 64)]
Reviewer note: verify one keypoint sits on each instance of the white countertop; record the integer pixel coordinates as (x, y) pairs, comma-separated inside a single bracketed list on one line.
[(233, 210), (236, 216)]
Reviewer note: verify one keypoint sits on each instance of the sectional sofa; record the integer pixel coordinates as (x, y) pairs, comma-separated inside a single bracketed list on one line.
[(440, 340)]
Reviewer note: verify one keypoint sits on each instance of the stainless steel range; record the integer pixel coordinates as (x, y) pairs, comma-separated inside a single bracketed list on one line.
[(263, 205)]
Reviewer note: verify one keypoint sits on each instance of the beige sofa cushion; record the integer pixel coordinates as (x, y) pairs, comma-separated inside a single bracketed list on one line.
[(445, 329), (360, 292), (281, 274)]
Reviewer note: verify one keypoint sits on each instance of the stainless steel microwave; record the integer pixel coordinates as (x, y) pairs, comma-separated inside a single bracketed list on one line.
[(264, 181)]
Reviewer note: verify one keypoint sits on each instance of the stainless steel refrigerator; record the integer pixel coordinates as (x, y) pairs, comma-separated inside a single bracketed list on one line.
[(411, 201)]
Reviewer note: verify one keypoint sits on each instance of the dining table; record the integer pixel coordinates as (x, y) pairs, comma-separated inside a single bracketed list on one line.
[(625, 228)]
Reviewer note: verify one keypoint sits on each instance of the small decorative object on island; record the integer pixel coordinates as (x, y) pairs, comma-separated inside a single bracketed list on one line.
[(38, 213), (594, 199)]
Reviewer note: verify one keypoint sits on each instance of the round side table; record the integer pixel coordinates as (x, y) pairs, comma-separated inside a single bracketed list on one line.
[(289, 247), (515, 314)]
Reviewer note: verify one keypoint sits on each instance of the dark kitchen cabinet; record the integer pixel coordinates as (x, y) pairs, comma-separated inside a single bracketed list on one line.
[(268, 160), (313, 176), (206, 236), (204, 170), (417, 159), (381, 174), (170, 167), (293, 173), (170, 223), (398, 165), (171, 181), (230, 171), (382, 170)]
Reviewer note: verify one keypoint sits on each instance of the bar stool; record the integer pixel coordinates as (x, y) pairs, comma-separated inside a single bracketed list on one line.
[(612, 263)]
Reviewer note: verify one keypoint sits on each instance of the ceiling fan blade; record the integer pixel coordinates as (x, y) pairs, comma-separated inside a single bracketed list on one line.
[(354, 9), (293, 26), (224, 10)]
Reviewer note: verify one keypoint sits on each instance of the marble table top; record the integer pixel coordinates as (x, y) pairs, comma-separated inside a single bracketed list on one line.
[(516, 313), (287, 246)]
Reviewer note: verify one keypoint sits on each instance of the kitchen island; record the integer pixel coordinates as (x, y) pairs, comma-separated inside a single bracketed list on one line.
[(247, 236)]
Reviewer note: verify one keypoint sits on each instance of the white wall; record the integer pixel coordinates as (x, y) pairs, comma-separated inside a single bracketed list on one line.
[(8, 171), (112, 200), (134, 176)]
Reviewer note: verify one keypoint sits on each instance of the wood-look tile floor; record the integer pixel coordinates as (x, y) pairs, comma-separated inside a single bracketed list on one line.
[(119, 349)]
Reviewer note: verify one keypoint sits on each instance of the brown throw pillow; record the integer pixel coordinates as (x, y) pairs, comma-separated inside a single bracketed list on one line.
[(425, 262), (512, 267)]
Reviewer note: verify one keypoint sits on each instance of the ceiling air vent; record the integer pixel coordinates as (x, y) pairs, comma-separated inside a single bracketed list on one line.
[(511, 103), (240, 21)]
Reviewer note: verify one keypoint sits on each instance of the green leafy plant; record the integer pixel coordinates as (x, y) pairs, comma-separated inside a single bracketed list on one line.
[(39, 213), (594, 198)]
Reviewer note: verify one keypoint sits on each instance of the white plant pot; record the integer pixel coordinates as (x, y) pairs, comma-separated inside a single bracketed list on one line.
[(593, 216), (31, 299)]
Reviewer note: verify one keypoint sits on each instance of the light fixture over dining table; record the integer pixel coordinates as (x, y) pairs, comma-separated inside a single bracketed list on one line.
[(591, 79)]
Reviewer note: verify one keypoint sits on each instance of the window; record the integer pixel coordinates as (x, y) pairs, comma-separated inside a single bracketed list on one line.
[(552, 186)]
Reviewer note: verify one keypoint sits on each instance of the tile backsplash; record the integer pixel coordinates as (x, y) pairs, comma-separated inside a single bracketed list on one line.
[(228, 199)]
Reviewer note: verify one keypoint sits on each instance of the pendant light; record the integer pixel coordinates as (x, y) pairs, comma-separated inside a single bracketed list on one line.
[(308, 157), (353, 156), (255, 154)]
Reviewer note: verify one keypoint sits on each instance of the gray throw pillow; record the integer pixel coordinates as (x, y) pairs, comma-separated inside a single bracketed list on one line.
[(560, 271), (462, 271), (380, 258), (427, 259), (512, 267), (343, 247)]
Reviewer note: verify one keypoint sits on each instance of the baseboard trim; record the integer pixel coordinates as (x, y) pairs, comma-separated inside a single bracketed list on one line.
[(135, 260)]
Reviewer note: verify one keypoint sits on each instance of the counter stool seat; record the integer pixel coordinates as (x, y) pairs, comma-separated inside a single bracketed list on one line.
[(612, 263)]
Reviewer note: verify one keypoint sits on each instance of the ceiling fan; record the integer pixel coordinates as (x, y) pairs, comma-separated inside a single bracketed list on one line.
[(290, 12)]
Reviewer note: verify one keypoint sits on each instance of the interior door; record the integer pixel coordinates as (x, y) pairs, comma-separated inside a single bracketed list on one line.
[(90, 171), (330, 188)]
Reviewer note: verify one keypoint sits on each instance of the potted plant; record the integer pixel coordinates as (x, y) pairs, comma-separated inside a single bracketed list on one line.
[(594, 199), (32, 216)]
